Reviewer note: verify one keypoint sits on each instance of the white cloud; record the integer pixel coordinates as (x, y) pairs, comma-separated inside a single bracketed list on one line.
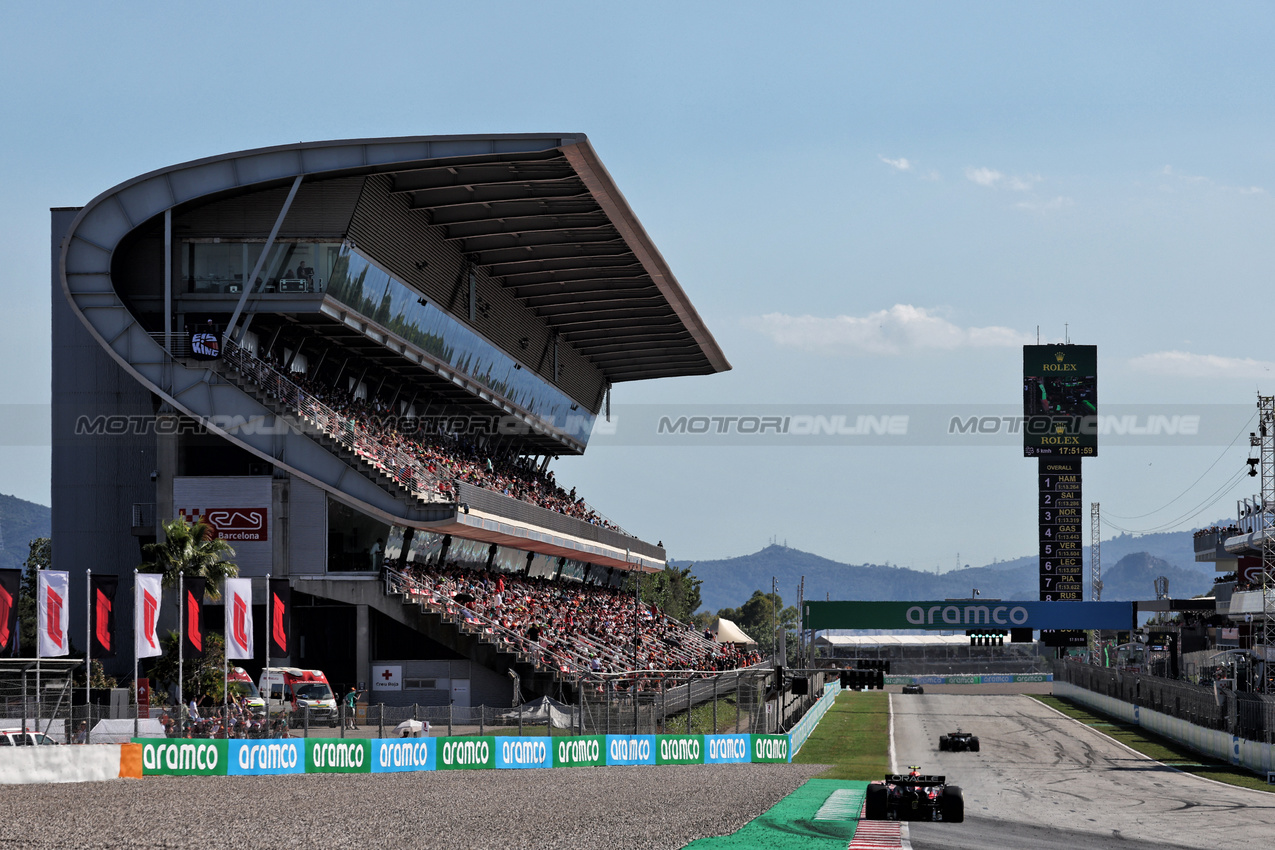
[(984, 176), (1183, 364), (993, 179), (1170, 174), (900, 329), (1057, 203), (900, 164)]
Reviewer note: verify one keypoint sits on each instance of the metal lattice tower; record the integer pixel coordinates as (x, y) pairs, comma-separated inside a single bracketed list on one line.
[(1264, 633), (1095, 555)]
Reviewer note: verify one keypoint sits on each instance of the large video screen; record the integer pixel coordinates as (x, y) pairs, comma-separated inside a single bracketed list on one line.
[(1060, 400)]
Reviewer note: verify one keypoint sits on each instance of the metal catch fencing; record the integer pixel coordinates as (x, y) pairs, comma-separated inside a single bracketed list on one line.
[(654, 702), (1247, 715)]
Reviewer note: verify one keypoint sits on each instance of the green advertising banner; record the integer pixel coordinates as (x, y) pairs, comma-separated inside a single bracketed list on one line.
[(679, 749), (466, 753), (961, 616), (337, 755), (585, 751), (183, 757), (770, 748)]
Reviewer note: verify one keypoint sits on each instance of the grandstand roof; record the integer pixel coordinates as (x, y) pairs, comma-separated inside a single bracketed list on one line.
[(539, 212)]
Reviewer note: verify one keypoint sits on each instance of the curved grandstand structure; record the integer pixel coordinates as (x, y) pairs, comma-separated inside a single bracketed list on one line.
[(359, 358)]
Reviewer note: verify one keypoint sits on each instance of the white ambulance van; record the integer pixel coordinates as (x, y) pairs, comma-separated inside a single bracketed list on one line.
[(291, 689)]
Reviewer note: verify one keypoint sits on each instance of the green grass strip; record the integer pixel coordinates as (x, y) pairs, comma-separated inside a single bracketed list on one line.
[(1154, 746), (853, 737), (790, 824)]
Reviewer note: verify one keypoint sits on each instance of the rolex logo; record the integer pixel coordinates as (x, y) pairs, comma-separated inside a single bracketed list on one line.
[(1059, 355), (1058, 429)]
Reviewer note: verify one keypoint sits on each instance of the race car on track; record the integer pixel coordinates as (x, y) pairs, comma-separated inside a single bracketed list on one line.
[(958, 742), (914, 796), (913, 689)]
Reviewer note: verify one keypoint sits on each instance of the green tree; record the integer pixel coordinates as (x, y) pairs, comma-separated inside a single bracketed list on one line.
[(201, 676), (674, 591), (190, 550), (39, 558), (757, 617)]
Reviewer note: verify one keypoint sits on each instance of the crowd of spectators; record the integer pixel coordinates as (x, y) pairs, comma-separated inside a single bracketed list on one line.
[(1227, 531), (575, 627), (205, 719), (429, 464)]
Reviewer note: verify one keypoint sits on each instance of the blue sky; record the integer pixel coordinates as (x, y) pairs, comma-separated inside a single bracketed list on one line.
[(870, 204)]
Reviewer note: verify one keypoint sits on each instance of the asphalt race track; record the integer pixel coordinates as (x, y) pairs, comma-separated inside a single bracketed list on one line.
[(1044, 782)]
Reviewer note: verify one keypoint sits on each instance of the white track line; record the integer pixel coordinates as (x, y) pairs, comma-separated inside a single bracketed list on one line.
[(904, 839)]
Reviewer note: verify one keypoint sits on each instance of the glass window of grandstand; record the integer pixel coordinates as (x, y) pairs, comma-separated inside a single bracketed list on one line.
[(356, 542), (215, 267), (507, 560), (544, 566), (425, 548), (469, 554)]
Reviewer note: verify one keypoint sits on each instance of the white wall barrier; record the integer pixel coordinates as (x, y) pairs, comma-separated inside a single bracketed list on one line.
[(1251, 755), (801, 731), (87, 763)]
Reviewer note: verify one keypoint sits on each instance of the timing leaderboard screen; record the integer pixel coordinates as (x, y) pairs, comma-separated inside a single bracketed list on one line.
[(1060, 400)]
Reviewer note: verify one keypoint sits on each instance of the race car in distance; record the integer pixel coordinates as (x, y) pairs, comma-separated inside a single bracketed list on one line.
[(958, 741), (913, 689), (914, 796)]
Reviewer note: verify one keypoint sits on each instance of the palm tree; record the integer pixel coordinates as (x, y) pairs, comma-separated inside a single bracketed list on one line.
[(190, 550)]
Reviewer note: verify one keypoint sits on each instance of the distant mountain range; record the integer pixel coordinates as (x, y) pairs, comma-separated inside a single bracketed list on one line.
[(20, 522), (1130, 567)]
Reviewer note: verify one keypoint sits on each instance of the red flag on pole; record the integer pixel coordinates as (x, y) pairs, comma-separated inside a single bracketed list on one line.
[(193, 613), (102, 590), (10, 581), (280, 616)]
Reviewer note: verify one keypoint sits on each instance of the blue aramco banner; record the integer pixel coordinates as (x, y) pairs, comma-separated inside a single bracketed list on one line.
[(395, 755), (267, 757), (959, 615)]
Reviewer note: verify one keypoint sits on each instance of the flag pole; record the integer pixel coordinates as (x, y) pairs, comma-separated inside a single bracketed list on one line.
[(225, 665), (181, 639), (269, 627), (38, 635), (88, 648), (137, 705)]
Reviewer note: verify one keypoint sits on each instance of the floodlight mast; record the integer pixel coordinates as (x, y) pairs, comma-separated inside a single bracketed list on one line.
[(1265, 439)]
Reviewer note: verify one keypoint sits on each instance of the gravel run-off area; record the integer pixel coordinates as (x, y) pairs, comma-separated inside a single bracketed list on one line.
[(649, 808)]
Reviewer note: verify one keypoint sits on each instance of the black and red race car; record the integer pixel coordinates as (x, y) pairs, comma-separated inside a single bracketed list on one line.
[(914, 796), (959, 741)]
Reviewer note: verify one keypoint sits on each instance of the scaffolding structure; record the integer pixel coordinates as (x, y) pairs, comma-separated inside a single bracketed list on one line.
[(1264, 440), (1095, 555)]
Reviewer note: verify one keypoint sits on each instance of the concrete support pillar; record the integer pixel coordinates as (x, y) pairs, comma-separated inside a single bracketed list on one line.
[(362, 646)]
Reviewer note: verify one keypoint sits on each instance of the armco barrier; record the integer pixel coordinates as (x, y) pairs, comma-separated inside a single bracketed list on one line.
[(801, 731), (191, 757), (87, 763), (1256, 756)]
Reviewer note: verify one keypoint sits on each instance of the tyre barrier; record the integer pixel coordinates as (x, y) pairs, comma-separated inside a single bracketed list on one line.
[(193, 757), (86, 763)]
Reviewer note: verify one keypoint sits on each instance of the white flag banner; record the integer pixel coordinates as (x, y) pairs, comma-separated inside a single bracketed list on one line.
[(51, 615), (238, 599), (147, 592)]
